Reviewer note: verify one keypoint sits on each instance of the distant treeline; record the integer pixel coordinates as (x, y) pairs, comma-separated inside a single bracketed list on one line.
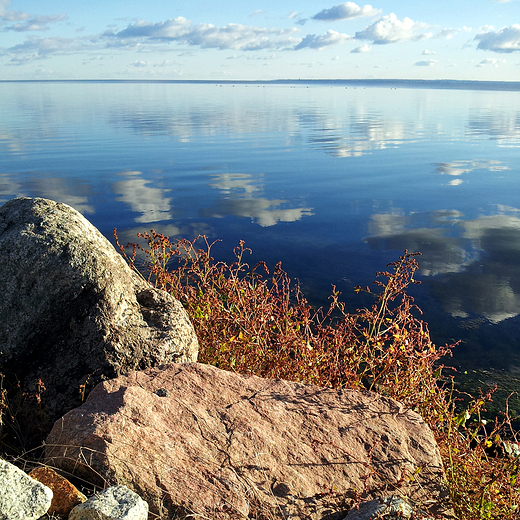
[(388, 83)]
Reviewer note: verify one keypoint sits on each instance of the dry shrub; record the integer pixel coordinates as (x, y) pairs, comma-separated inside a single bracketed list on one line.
[(254, 321)]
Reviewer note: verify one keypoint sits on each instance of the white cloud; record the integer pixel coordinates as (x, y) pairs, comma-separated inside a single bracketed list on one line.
[(30, 23), (390, 30), (312, 41), (493, 62), (169, 30), (37, 23), (448, 33), (11, 16), (232, 36), (425, 63), (39, 48), (165, 63), (426, 52), (346, 11), (506, 39), (362, 49)]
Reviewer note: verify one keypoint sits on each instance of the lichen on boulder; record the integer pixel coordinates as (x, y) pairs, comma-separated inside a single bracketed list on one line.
[(73, 312)]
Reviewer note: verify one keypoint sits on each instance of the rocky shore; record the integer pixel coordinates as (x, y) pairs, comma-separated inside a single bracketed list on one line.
[(103, 367)]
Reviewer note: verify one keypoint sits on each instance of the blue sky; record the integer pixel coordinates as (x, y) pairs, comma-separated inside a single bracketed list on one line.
[(261, 39)]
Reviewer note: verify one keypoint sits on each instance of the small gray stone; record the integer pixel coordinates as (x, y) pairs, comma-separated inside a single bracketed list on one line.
[(21, 497), (115, 503), (389, 508)]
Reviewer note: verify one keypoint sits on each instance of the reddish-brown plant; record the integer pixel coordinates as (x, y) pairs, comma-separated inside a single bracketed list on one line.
[(254, 321)]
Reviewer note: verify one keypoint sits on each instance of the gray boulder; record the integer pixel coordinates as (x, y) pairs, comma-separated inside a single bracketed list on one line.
[(21, 497), (72, 310), (114, 503)]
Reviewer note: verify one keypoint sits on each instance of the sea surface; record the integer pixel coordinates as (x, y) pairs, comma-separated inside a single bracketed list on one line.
[(333, 178)]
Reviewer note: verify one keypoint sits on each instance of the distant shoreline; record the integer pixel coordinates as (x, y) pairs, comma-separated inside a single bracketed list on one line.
[(392, 83)]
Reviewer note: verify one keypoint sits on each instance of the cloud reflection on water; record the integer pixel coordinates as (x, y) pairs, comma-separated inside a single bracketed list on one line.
[(238, 200), (470, 264), (459, 168), (69, 191), (358, 134), (11, 143), (75, 194), (495, 124), (151, 203), (9, 189), (357, 127), (172, 230), (229, 183)]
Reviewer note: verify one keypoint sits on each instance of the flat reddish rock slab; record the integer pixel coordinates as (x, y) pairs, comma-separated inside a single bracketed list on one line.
[(190, 438)]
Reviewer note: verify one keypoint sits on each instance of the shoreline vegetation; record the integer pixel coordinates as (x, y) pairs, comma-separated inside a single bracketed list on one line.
[(446, 84), (254, 320)]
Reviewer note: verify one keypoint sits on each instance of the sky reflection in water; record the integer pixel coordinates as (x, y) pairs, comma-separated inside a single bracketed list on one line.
[(335, 182)]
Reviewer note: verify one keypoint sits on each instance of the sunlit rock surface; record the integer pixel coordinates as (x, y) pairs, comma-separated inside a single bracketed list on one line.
[(73, 313), (192, 439), (21, 497)]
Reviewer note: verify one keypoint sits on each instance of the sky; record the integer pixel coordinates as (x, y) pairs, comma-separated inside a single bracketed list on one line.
[(260, 39)]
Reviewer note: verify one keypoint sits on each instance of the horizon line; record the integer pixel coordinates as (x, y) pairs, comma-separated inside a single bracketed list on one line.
[(373, 81)]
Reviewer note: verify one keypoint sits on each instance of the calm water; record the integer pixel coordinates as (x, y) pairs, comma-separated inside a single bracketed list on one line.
[(335, 181)]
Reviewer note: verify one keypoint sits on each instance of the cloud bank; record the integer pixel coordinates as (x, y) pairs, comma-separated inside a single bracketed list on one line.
[(232, 36), (167, 35)]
